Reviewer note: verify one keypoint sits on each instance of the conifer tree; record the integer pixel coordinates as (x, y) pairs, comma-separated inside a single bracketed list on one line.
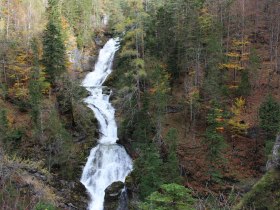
[(54, 55), (214, 140), (269, 114), (37, 87), (34, 87), (3, 124), (171, 166), (170, 196), (148, 168)]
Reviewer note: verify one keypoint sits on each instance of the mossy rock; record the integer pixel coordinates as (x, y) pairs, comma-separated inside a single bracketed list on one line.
[(265, 195)]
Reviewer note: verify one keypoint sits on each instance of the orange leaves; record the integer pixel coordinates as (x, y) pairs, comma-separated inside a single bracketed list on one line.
[(220, 119), (152, 90), (64, 23), (220, 129), (18, 74)]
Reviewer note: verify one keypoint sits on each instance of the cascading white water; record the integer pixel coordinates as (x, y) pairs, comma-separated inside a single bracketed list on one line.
[(108, 162)]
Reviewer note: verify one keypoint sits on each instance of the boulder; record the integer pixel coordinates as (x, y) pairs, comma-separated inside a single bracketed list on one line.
[(115, 197)]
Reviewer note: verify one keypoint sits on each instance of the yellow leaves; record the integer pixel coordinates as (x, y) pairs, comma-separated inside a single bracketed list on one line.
[(236, 123), (11, 119), (18, 90), (12, 76), (129, 53), (64, 23), (22, 58), (238, 106), (70, 40), (205, 22), (238, 43), (142, 73), (163, 66), (160, 88), (233, 86), (204, 10), (194, 93), (231, 66), (192, 73), (205, 19), (238, 126), (245, 54), (237, 61), (2, 24), (18, 74), (245, 57), (138, 63), (233, 54), (193, 97), (241, 57)]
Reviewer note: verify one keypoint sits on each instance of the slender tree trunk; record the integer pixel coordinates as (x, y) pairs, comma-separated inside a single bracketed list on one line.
[(4, 70), (8, 20), (228, 33), (197, 69)]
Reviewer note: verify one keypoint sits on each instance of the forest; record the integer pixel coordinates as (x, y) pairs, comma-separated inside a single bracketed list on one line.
[(195, 87)]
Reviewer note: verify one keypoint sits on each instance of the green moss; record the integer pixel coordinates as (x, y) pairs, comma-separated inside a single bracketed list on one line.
[(264, 195), (268, 147), (44, 206)]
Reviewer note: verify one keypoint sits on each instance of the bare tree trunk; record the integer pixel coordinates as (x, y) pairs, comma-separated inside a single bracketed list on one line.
[(276, 47), (228, 28), (197, 69), (29, 21), (41, 125), (137, 74), (8, 20), (4, 70)]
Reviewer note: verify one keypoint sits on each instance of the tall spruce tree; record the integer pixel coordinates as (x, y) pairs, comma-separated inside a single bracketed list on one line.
[(171, 166), (54, 52), (34, 87), (269, 114), (37, 86)]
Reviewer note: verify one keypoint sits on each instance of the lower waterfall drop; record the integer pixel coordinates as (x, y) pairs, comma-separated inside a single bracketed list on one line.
[(108, 162)]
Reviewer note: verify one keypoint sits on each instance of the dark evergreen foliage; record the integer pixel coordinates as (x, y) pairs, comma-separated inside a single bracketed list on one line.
[(269, 114), (35, 88), (54, 54)]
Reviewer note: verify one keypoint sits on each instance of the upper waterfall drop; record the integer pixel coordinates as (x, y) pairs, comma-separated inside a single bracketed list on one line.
[(108, 162)]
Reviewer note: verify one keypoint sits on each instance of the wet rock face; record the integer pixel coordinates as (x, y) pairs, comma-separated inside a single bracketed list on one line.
[(80, 195), (274, 162), (114, 197)]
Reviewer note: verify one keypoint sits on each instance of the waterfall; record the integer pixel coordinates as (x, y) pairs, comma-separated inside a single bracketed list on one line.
[(108, 162)]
